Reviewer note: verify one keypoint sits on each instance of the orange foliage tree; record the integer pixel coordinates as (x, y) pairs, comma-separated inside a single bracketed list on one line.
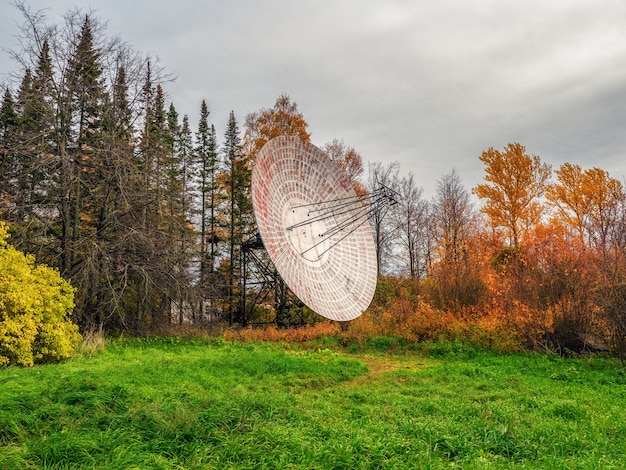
[(606, 205), (569, 198), (265, 124), (588, 201), (515, 183)]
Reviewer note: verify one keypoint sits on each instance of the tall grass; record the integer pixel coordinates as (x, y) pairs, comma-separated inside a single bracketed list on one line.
[(93, 342), (172, 403)]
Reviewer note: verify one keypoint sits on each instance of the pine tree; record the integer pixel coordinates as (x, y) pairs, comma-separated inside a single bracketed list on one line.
[(80, 143), (211, 196), (172, 183), (213, 168), (88, 93), (208, 165), (86, 169), (184, 249), (8, 116), (32, 163), (236, 180), (151, 274), (185, 156), (110, 239), (179, 190), (8, 128)]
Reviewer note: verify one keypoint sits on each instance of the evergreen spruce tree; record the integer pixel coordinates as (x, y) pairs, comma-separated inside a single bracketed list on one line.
[(173, 175), (215, 196), (33, 163), (8, 128), (151, 274), (159, 152), (110, 239), (8, 116), (32, 151), (78, 146), (185, 155), (236, 180), (181, 193), (207, 157), (211, 196), (88, 165)]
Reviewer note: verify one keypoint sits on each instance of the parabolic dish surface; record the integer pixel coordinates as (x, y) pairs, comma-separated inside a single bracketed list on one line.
[(333, 274)]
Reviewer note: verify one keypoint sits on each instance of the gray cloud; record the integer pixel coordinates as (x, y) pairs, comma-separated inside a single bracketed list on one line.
[(430, 84)]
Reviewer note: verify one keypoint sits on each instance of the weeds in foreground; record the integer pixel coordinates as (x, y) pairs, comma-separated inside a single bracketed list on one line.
[(93, 342)]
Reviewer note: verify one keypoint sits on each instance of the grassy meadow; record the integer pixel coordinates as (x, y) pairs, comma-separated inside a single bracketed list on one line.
[(170, 403)]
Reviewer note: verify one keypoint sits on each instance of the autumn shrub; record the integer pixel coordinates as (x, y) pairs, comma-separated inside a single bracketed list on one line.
[(404, 308), (614, 307), (294, 334), (391, 288), (429, 323), (35, 305), (400, 315), (546, 287), (611, 300), (490, 329), (451, 293), (394, 327)]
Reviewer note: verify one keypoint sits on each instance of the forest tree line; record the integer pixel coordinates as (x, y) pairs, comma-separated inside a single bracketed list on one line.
[(103, 179)]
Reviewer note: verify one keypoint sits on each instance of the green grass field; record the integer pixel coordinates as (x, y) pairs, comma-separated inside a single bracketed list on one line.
[(174, 404)]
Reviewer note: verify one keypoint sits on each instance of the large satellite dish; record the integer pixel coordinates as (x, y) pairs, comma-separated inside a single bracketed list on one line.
[(314, 228)]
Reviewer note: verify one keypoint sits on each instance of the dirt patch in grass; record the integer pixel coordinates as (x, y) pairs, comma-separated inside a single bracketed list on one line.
[(379, 366)]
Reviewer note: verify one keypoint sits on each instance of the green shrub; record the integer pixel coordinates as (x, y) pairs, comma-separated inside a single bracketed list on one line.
[(35, 304)]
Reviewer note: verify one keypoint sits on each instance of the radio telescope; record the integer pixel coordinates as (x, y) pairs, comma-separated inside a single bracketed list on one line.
[(315, 228)]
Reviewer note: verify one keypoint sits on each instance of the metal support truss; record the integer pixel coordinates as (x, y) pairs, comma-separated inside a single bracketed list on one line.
[(260, 278)]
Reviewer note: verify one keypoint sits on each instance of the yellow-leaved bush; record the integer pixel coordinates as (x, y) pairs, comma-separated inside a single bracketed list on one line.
[(35, 307)]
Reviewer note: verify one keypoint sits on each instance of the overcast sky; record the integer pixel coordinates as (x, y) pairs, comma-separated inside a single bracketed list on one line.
[(430, 84)]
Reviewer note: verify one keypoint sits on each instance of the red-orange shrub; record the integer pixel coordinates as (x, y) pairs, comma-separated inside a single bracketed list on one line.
[(296, 335)]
